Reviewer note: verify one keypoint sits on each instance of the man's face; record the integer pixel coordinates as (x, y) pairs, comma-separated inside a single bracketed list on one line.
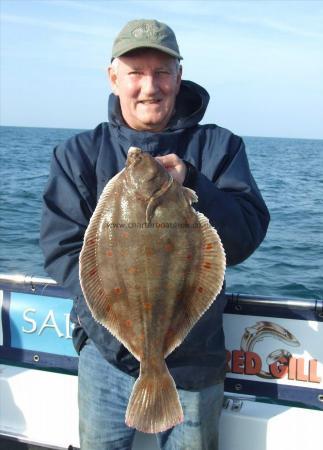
[(147, 82)]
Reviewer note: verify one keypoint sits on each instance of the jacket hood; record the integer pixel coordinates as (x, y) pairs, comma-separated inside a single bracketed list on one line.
[(190, 106)]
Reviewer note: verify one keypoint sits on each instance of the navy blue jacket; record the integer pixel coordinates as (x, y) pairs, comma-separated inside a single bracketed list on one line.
[(228, 196)]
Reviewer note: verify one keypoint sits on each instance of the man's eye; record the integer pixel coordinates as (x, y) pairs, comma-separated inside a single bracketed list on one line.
[(134, 72)]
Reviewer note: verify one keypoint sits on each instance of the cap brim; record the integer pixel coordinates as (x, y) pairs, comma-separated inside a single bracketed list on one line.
[(155, 46)]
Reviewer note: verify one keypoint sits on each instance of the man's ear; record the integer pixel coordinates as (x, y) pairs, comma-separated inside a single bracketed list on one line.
[(179, 79), (113, 78)]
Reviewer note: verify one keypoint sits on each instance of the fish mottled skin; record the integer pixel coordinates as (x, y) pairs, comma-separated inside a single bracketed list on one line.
[(150, 266)]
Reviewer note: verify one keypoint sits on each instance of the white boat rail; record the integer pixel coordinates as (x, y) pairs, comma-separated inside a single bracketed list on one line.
[(38, 284)]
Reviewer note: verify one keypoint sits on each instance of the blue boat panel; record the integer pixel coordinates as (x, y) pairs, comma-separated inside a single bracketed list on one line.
[(41, 324)]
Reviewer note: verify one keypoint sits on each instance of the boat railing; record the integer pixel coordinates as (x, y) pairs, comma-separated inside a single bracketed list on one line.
[(236, 301)]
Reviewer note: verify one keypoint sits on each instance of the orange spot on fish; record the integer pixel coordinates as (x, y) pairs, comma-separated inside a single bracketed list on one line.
[(147, 306), (189, 256), (169, 247), (149, 251), (132, 270), (92, 272), (128, 323), (117, 290), (170, 333), (200, 289), (91, 241), (208, 246), (207, 265), (125, 234), (109, 253)]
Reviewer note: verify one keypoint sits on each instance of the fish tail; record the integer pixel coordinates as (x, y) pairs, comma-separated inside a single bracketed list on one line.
[(154, 404)]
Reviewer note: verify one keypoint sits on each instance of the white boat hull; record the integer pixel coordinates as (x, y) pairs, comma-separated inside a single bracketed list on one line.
[(270, 402)]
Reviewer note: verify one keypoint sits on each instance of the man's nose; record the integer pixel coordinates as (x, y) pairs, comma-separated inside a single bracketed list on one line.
[(150, 84)]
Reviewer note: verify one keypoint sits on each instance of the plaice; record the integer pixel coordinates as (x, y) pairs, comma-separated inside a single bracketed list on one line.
[(150, 266)]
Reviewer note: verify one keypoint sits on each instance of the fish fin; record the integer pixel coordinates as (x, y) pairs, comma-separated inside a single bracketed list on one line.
[(213, 264), (152, 205), (155, 199), (154, 404), (90, 280), (208, 285), (190, 195)]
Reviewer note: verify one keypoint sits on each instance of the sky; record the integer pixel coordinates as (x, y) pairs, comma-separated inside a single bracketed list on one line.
[(260, 61)]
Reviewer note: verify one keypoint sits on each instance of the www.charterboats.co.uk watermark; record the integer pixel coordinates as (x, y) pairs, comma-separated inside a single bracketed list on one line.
[(142, 225)]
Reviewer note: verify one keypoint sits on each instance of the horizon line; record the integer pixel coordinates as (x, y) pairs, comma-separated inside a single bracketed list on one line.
[(88, 129)]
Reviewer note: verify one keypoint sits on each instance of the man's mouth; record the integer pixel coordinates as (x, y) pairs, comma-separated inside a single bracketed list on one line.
[(150, 102)]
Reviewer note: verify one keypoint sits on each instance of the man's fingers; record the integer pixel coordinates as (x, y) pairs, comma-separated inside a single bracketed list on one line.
[(174, 165), (170, 160)]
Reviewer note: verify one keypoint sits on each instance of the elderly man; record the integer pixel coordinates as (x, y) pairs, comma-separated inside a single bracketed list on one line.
[(151, 108)]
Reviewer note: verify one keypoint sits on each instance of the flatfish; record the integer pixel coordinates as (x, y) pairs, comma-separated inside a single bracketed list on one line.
[(150, 266)]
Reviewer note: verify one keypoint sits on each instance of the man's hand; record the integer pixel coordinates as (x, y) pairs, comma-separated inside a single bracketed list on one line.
[(174, 165)]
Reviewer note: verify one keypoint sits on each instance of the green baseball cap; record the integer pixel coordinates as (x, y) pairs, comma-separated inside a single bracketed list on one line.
[(146, 33)]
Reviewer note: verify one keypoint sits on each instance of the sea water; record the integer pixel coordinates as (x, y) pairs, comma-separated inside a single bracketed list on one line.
[(288, 172)]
